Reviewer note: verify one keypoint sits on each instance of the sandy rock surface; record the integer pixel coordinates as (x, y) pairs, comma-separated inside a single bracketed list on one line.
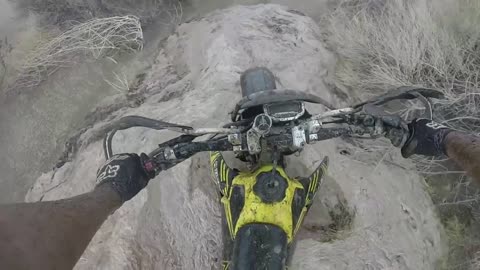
[(175, 222)]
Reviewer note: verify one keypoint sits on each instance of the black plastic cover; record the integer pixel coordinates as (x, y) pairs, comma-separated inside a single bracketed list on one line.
[(260, 247), (277, 96)]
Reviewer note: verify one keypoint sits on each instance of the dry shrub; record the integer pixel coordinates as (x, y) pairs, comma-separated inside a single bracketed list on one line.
[(169, 11), (61, 12), (382, 44), (88, 41), (433, 43), (93, 39)]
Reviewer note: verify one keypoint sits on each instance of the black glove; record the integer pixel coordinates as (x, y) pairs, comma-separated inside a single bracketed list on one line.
[(426, 138), (125, 173)]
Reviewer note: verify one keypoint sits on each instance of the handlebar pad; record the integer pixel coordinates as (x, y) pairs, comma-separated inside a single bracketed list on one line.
[(330, 133), (184, 151)]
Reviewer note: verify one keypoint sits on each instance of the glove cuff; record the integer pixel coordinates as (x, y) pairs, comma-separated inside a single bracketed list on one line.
[(114, 186), (440, 141)]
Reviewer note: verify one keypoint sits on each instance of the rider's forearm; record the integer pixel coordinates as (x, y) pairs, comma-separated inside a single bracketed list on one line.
[(53, 235), (464, 149)]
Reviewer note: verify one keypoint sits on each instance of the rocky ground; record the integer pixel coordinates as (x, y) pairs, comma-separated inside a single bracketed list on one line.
[(372, 211)]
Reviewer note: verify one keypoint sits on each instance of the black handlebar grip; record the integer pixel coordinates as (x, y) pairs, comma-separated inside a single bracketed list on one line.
[(330, 133)]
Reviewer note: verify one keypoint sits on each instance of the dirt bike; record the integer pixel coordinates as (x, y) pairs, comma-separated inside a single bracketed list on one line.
[(264, 207)]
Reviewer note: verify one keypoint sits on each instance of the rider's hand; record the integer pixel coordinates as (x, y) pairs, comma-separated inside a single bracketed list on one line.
[(426, 138), (125, 174)]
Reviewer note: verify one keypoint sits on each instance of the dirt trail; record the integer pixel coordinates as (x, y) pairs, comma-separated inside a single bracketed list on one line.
[(175, 223), (35, 126)]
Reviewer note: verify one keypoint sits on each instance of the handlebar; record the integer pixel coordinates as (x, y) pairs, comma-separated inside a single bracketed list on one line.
[(245, 135), (168, 156), (289, 140), (183, 151)]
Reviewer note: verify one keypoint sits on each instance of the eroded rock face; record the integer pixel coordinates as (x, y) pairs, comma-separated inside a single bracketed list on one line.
[(175, 222)]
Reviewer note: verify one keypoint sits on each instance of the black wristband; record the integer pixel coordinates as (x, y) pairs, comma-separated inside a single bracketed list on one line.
[(440, 141)]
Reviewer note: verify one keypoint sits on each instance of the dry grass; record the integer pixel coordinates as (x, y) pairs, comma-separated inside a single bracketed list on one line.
[(85, 42), (119, 83), (91, 40), (5, 50), (383, 44), (434, 43), (455, 233), (62, 12)]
